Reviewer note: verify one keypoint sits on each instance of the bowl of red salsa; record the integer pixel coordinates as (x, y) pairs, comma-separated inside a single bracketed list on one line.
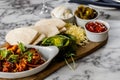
[(97, 30)]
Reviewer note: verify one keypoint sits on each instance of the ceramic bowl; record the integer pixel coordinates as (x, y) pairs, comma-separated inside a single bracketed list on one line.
[(67, 20), (47, 52), (81, 22), (64, 13), (99, 36)]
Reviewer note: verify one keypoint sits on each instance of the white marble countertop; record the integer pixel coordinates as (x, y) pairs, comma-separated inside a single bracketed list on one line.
[(103, 64)]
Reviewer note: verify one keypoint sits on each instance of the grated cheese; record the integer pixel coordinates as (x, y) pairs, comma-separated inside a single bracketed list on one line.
[(78, 32)]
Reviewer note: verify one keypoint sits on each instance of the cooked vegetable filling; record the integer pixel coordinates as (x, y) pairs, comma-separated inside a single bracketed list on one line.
[(17, 58)]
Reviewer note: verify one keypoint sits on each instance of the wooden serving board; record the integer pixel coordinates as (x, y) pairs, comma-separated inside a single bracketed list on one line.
[(55, 65)]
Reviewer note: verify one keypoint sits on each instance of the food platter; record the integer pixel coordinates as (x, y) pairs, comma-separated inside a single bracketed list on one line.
[(59, 25)]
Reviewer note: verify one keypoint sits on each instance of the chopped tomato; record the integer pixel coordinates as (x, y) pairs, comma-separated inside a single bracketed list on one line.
[(96, 27)]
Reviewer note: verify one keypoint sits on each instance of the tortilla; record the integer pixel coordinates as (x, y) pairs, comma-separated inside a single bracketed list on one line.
[(34, 34), (52, 21), (50, 27), (42, 36), (26, 35), (48, 30)]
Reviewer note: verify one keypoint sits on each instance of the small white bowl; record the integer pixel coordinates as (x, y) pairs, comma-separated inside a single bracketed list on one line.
[(47, 52), (81, 22), (64, 13), (68, 20), (98, 37)]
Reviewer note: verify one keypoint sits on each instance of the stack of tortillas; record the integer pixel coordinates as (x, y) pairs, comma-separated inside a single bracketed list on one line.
[(50, 27), (33, 35)]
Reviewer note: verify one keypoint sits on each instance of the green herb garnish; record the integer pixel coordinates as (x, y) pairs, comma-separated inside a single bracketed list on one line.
[(13, 58), (29, 56), (21, 47), (4, 54)]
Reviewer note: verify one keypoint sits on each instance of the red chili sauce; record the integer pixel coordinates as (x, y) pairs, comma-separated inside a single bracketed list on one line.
[(96, 27)]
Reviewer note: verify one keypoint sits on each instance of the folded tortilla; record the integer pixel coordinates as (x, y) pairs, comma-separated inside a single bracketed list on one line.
[(26, 35), (40, 38), (50, 27), (48, 30), (34, 34), (52, 21)]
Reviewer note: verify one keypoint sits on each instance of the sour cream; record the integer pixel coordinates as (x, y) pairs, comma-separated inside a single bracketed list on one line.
[(61, 12)]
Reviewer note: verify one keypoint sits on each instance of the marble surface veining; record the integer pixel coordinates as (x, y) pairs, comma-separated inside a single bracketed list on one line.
[(103, 64)]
